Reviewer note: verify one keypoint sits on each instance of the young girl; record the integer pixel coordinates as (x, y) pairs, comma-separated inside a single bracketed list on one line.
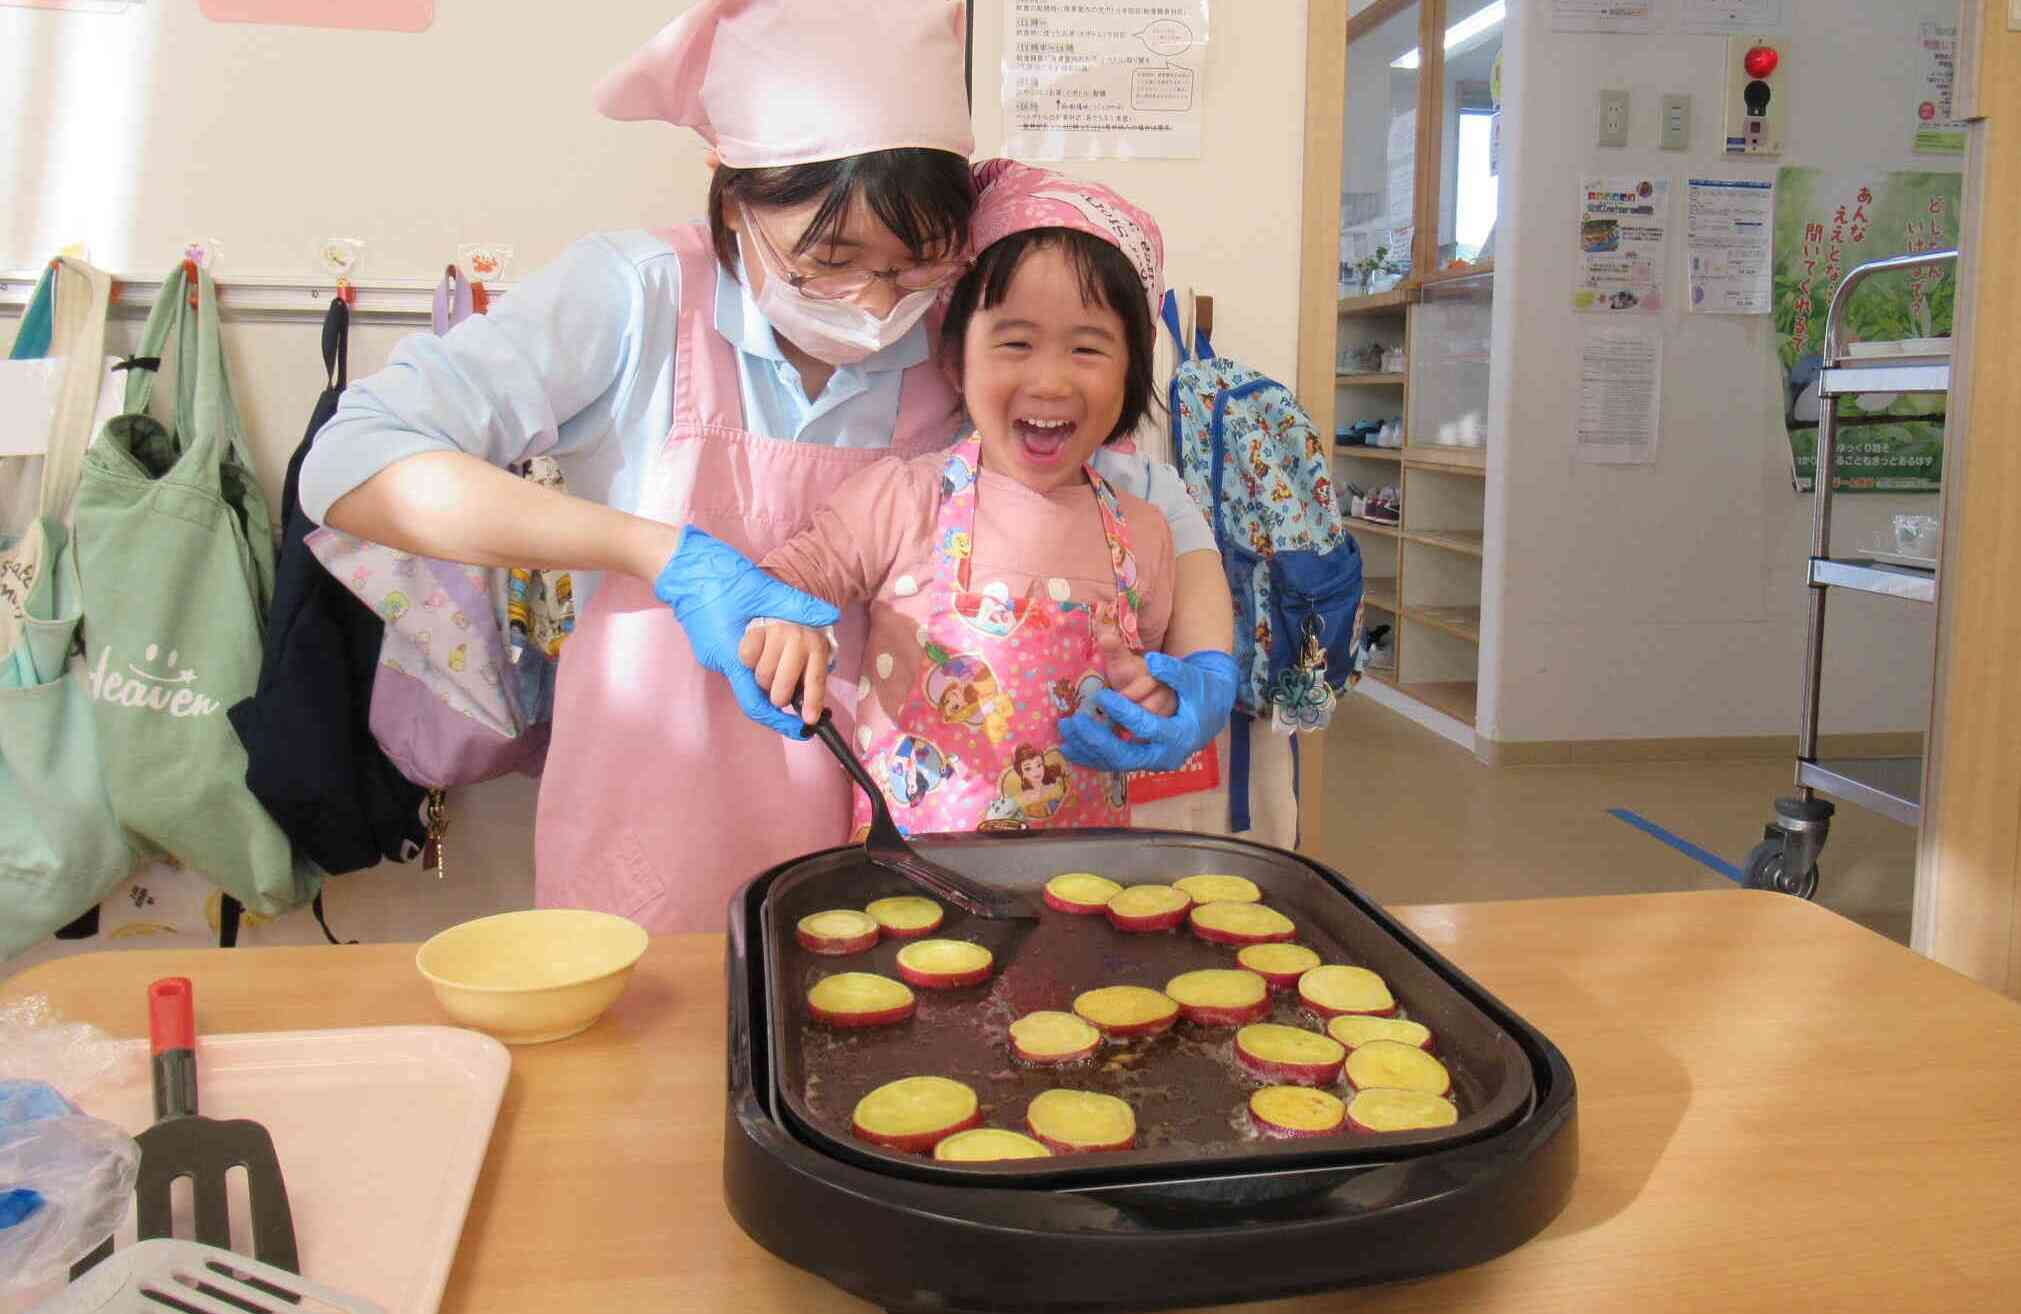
[(1006, 570)]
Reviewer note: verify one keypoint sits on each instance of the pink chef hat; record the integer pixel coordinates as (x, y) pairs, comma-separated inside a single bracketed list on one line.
[(1012, 197), (775, 82)]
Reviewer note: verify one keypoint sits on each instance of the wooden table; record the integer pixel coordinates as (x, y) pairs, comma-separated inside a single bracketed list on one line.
[(1778, 1110)]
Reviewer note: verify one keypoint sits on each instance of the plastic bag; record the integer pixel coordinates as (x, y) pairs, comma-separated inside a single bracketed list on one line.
[(66, 1181)]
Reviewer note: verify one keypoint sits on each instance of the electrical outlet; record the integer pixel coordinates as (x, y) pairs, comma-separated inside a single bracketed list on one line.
[(1613, 118), (1676, 122)]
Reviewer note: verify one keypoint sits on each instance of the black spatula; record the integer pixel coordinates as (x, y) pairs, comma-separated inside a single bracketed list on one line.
[(887, 848), (182, 1144)]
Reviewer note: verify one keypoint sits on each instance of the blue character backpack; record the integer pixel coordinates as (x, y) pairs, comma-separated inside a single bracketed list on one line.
[(1254, 463)]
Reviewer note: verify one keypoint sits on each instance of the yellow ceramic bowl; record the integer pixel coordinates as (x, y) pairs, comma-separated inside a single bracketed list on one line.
[(528, 977)]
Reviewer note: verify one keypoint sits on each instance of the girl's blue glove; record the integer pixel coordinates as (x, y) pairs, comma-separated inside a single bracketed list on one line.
[(1205, 684), (716, 592)]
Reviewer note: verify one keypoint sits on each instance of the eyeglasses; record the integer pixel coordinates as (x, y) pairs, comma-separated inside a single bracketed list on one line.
[(846, 283)]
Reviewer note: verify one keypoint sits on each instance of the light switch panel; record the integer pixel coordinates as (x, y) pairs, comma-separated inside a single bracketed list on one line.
[(2014, 15), (1613, 118), (1676, 132)]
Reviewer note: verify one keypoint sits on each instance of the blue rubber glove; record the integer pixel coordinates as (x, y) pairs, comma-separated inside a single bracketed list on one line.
[(716, 592), (1205, 684)]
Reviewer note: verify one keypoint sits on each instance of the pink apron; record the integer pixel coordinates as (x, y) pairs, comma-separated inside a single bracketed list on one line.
[(659, 797), (976, 743)]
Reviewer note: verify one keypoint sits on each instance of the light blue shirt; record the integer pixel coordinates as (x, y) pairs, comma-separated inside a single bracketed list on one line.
[(578, 364)]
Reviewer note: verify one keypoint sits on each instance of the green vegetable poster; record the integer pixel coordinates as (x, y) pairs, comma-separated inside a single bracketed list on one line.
[(1826, 224)]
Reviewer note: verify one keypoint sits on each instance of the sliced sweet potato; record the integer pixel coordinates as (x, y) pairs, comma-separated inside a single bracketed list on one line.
[(1051, 1037), (1399, 1110), (836, 932), (1240, 923), (1279, 964), (988, 1145), (1219, 889), (1295, 1111), (1081, 1121), (906, 916), (1220, 996), (914, 1114), (1356, 1029), (1393, 1065), (1125, 1011), (1147, 908), (1289, 1055), (859, 999), (1081, 893), (944, 964), (1332, 990)]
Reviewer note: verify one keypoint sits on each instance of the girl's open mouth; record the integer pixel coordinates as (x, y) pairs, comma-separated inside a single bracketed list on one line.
[(1043, 440)]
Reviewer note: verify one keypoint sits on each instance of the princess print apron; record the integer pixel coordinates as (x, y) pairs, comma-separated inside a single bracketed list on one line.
[(976, 744), (659, 797)]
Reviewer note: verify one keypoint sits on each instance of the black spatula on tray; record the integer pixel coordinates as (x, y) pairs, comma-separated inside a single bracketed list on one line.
[(886, 848), (182, 1144)]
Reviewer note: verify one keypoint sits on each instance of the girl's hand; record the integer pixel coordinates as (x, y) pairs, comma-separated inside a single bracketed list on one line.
[(1129, 675), (784, 658)]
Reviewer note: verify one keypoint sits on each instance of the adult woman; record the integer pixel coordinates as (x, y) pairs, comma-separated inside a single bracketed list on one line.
[(703, 390)]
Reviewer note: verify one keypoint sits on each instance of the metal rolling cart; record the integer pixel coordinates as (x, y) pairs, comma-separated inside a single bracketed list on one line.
[(1786, 859)]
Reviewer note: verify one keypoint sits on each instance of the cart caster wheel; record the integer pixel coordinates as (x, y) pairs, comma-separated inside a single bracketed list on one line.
[(1765, 872)]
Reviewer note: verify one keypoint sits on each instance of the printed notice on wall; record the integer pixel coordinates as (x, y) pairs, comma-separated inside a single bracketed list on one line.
[(1620, 396), (1729, 15), (1602, 16), (1937, 132), (1624, 224), (1103, 79), (1729, 244)]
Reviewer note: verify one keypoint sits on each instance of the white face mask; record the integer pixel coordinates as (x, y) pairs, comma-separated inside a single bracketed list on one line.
[(833, 332)]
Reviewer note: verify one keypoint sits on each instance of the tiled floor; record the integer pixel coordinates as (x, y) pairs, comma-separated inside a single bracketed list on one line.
[(1412, 818)]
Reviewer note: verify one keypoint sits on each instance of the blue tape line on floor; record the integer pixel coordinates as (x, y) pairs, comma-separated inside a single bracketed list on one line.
[(1682, 845)]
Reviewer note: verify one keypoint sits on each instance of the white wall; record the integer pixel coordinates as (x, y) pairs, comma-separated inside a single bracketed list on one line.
[(1667, 600), (269, 139)]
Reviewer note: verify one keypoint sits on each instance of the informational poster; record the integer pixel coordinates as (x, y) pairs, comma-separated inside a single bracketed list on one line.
[(1729, 15), (378, 15), (1624, 230), (1402, 183), (1936, 131), (1730, 245), (1103, 79), (1825, 225), (1603, 15), (1620, 396)]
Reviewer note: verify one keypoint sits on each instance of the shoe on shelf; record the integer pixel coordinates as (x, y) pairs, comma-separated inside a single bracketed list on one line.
[(1385, 508)]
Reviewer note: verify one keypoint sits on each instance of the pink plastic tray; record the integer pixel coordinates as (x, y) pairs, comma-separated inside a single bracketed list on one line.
[(380, 1132)]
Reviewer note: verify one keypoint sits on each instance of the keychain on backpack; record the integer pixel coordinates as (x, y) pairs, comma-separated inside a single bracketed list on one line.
[(1301, 699)]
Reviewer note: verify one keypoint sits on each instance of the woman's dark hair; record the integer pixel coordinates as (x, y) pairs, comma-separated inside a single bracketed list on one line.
[(923, 196), (1107, 279)]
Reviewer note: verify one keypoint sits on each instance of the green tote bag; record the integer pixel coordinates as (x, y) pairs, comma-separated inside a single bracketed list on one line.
[(61, 849), (176, 550)]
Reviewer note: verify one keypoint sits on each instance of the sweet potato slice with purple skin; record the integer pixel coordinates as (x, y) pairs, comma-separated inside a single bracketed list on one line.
[(1356, 1029), (859, 999), (944, 964), (1122, 1012), (989, 1145), (914, 1114), (1220, 996), (1290, 1056), (1333, 990), (1147, 909), (837, 932), (1279, 964), (1080, 893), (1393, 1065), (1050, 1038), (1240, 924), (1294, 1112), (906, 916), (1400, 1110), (1081, 1122)]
